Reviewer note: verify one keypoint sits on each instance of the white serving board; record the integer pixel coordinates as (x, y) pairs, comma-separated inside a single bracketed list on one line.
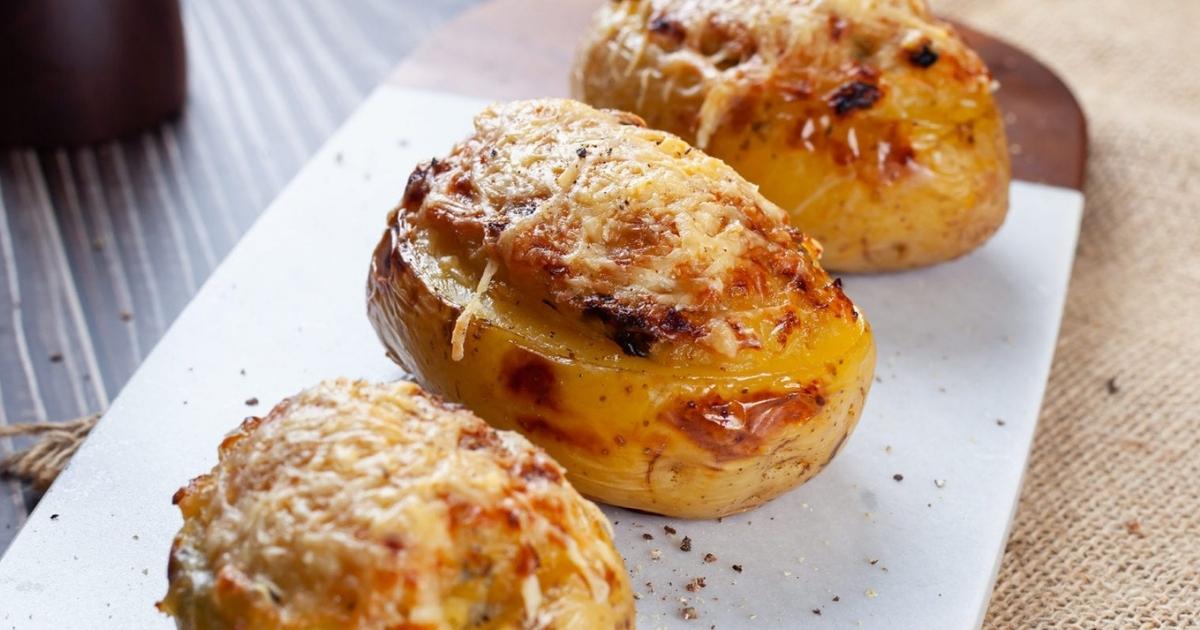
[(961, 346)]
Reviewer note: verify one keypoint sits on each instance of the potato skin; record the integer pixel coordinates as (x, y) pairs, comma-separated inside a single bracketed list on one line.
[(871, 122), (625, 431), (681, 431), (354, 505)]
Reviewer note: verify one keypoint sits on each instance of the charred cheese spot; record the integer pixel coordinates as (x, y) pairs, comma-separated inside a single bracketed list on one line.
[(923, 57), (854, 95), (636, 330)]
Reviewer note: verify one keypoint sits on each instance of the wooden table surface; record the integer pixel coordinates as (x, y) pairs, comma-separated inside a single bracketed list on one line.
[(101, 247)]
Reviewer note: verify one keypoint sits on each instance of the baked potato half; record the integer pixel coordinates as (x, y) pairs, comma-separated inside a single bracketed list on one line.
[(870, 121), (627, 302), (354, 505)]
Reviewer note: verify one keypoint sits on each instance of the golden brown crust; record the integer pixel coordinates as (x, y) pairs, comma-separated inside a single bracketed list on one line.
[(870, 121), (694, 360), (601, 217), (378, 506)]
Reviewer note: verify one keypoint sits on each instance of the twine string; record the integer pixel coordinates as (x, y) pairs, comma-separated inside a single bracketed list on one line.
[(54, 444)]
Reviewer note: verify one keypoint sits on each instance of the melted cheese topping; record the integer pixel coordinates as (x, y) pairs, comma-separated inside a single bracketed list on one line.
[(590, 210), (459, 335), (733, 50), (378, 506)]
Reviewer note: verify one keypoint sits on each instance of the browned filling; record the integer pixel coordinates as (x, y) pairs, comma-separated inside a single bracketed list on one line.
[(738, 427)]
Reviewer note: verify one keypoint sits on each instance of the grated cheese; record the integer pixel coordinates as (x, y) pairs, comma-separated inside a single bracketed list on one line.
[(351, 491), (459, 335), (575, 202)]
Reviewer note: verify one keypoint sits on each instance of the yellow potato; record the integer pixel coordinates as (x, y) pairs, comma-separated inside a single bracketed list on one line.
[(869, 121), (353, 505), (629, 303)]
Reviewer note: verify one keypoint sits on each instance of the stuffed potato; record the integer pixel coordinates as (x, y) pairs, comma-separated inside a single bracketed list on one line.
[(869, 121), (629, 303), (378, 506)]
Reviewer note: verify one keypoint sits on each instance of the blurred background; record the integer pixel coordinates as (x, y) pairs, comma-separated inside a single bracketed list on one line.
[(102, 245)]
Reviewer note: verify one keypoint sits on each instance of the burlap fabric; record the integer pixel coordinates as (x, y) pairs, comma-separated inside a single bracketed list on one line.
[(1107, 533)]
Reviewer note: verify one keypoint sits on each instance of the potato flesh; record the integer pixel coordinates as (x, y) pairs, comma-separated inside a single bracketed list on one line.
[(613, 421), (912, 173)]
